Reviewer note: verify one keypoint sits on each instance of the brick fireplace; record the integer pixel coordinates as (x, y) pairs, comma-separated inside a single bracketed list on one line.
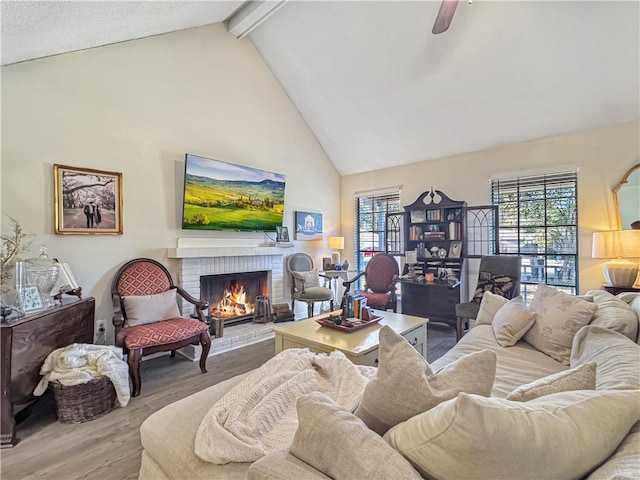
[(232, 296), (201, 257)]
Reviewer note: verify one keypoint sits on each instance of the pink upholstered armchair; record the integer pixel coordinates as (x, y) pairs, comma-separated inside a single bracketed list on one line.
[(146, 316), (380, 275)]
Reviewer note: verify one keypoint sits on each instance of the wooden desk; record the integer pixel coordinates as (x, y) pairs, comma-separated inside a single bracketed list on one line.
[(26, 343), (361, 347), (434, 300)]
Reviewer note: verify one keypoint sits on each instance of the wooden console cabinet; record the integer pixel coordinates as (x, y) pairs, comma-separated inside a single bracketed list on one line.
[(26, 343), (436, 300)]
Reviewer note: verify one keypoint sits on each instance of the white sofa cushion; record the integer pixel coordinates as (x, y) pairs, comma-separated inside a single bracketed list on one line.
[(405, 384), (560, 316), (563, 435), (582, 377), (168, 437), (142, 309), (281, 465), (512, 321), (516, 365), (338, 444)]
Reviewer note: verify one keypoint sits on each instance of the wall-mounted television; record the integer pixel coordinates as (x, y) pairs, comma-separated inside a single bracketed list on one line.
[(224, 196)]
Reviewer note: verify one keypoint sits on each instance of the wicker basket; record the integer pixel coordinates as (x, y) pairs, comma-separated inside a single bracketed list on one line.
[(84, 402)]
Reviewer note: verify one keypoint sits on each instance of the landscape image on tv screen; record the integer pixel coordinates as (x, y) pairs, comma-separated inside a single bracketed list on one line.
[(225, 196)]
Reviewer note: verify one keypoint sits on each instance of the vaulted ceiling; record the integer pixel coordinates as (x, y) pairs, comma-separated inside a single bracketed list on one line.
[(376, 87)]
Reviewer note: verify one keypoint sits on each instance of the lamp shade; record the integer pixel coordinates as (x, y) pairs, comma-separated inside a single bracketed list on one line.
[(337, 243), (618, 244)]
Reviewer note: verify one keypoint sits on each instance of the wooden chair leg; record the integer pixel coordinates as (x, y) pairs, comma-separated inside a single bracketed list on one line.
[(133, 360), (459, 328), (205, 342)]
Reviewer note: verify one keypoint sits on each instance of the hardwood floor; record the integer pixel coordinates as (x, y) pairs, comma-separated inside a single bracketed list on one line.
[(109, 447)]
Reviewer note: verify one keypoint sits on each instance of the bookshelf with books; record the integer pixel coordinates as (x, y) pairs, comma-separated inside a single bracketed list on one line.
[(434, 229)]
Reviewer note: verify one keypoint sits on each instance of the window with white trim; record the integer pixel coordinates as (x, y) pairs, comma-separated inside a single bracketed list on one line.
[(371, 232), (538, 220)]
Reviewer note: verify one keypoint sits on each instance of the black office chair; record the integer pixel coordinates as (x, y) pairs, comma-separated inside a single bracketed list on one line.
[(498, 274)]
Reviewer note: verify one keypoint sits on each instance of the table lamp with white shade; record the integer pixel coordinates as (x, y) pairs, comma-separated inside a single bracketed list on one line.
[(337, 244), (618, 245)]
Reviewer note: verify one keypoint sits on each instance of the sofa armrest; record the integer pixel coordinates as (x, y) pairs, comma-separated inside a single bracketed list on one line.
[(281, 465)]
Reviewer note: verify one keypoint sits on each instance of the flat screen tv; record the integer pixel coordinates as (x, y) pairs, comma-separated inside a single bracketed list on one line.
[(224, 196)]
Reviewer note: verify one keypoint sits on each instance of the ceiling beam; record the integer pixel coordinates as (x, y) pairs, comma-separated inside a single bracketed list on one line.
[(250, 15)]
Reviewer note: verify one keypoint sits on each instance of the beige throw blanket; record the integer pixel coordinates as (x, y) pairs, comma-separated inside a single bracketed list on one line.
[(80, 363), (258, 415)]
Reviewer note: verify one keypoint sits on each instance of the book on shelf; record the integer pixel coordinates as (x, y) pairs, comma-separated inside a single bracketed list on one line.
[(433, 215), (414, 232)]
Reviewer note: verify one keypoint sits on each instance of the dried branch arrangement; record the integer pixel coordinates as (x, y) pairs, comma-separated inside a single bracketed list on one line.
[(13, 246)]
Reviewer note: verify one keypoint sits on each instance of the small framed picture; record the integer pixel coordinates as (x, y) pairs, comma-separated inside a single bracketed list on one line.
[(30, 299), (87, 201), (282, 234), (455, 249), (326, 264)]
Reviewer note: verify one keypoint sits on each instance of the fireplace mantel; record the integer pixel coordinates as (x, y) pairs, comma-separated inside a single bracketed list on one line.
[(220, 247)]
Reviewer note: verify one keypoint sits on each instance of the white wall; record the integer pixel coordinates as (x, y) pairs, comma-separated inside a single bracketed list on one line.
[(137, 108), (602, 156)]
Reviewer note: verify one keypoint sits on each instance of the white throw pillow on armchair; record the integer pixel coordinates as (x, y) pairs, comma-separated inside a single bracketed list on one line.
[(306, 279), (142, 309)]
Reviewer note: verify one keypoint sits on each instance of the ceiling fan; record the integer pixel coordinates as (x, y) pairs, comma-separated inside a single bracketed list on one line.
[(445, 15)]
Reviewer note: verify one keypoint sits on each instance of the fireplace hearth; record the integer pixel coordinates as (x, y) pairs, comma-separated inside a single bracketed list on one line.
[(232, 296)]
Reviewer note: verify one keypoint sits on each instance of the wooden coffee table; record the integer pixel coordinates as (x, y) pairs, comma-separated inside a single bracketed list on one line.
[(361, 346)]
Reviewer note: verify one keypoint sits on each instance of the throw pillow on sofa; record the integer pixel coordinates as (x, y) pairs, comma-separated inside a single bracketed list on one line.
[(614, 313), (337, 443), (142, 309), (512, 321), (489, 306), (582, 377), (405, 385), (560, 316), (563, 435)]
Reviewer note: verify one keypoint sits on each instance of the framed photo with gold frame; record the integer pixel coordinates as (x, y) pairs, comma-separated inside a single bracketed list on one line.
[(87, 201)]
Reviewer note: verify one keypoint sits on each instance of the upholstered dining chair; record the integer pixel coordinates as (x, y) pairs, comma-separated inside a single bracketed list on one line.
[(305, 282), (499, 274), (380, 275), (146, 316)]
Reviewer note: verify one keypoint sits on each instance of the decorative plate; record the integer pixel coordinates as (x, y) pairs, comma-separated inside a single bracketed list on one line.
[(442, 253)]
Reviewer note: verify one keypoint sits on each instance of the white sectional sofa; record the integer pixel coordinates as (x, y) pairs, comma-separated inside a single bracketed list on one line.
[(611, 341)]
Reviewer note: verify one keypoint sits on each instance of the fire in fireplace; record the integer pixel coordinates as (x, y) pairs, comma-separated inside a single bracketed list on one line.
[(232, 296)]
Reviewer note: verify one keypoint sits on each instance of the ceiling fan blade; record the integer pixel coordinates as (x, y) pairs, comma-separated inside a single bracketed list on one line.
[(445, 15)]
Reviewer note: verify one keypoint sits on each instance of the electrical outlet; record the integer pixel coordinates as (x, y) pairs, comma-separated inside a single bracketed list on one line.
[(101, 327)]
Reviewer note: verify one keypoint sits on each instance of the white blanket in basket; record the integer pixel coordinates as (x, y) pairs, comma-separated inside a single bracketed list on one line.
[(80, 363), (258, 415)]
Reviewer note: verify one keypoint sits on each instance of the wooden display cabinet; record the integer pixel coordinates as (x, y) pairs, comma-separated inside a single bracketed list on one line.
[(435, 229)]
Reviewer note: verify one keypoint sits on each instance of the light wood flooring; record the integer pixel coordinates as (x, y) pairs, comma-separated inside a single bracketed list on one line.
[(108, 448)]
